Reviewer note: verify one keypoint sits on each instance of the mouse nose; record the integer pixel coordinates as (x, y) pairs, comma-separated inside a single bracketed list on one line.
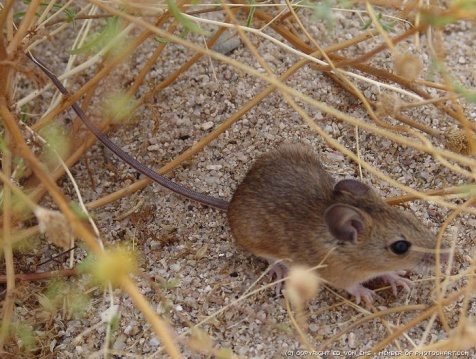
[(430, 257), (444, 255)]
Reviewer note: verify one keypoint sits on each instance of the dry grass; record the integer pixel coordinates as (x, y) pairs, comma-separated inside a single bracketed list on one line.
[(39, 145)]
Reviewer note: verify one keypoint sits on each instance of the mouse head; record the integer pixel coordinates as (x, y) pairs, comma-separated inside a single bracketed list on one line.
[(361, 221)]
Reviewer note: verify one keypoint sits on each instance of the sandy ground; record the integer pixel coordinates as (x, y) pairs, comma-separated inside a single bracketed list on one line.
[(190, 248)]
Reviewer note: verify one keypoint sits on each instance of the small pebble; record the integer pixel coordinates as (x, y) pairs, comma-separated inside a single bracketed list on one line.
[(207, 125)]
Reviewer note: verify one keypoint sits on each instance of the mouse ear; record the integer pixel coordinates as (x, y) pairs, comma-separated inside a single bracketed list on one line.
[(353, 186), (344, 222)]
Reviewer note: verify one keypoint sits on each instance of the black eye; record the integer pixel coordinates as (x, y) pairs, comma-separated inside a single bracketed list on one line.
[(400, 247)]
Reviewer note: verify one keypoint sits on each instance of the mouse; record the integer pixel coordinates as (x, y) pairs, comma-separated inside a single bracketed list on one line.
[(288, 208)]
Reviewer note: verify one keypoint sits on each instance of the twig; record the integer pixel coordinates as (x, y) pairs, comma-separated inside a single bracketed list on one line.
[(199, 197), (33, 277)]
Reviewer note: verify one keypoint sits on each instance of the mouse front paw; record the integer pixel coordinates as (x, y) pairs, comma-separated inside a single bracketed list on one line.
[(360, 292), (395, 278)]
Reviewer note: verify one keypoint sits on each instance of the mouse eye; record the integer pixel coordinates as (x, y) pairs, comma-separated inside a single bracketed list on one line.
[(400, 247)]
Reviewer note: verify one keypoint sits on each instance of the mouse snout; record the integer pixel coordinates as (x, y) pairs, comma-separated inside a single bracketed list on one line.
[(444, 255), (429, 258)]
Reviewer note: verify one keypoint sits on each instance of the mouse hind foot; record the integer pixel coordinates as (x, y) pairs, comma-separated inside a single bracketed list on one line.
[(396, 278), (278, 271)]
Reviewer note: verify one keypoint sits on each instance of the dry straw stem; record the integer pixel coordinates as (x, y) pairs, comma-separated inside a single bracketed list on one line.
[(93, 82), (107, 65), (8, 304), (376, 23), (5, 95), (34, 277), (25, 26), (417, 320), (39, 190), (18, 235), (37, 167), (462, 340), (469, 275), (80, 230), (76, 224), (339, 76), (359, 64), (88, 89), (304, 49), (52, 222), (172, 77), (400, 330)]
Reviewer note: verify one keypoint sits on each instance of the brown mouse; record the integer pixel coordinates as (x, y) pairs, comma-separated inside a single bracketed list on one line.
[(289, 208)]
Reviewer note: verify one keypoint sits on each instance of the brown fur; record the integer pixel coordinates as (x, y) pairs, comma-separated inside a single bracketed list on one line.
[(277, 212)]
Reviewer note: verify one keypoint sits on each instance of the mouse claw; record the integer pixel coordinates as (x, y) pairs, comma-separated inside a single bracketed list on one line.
[(360, 292), (395, 278)]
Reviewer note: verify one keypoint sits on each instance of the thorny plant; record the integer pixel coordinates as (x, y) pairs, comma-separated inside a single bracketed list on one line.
[(37, 152)]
